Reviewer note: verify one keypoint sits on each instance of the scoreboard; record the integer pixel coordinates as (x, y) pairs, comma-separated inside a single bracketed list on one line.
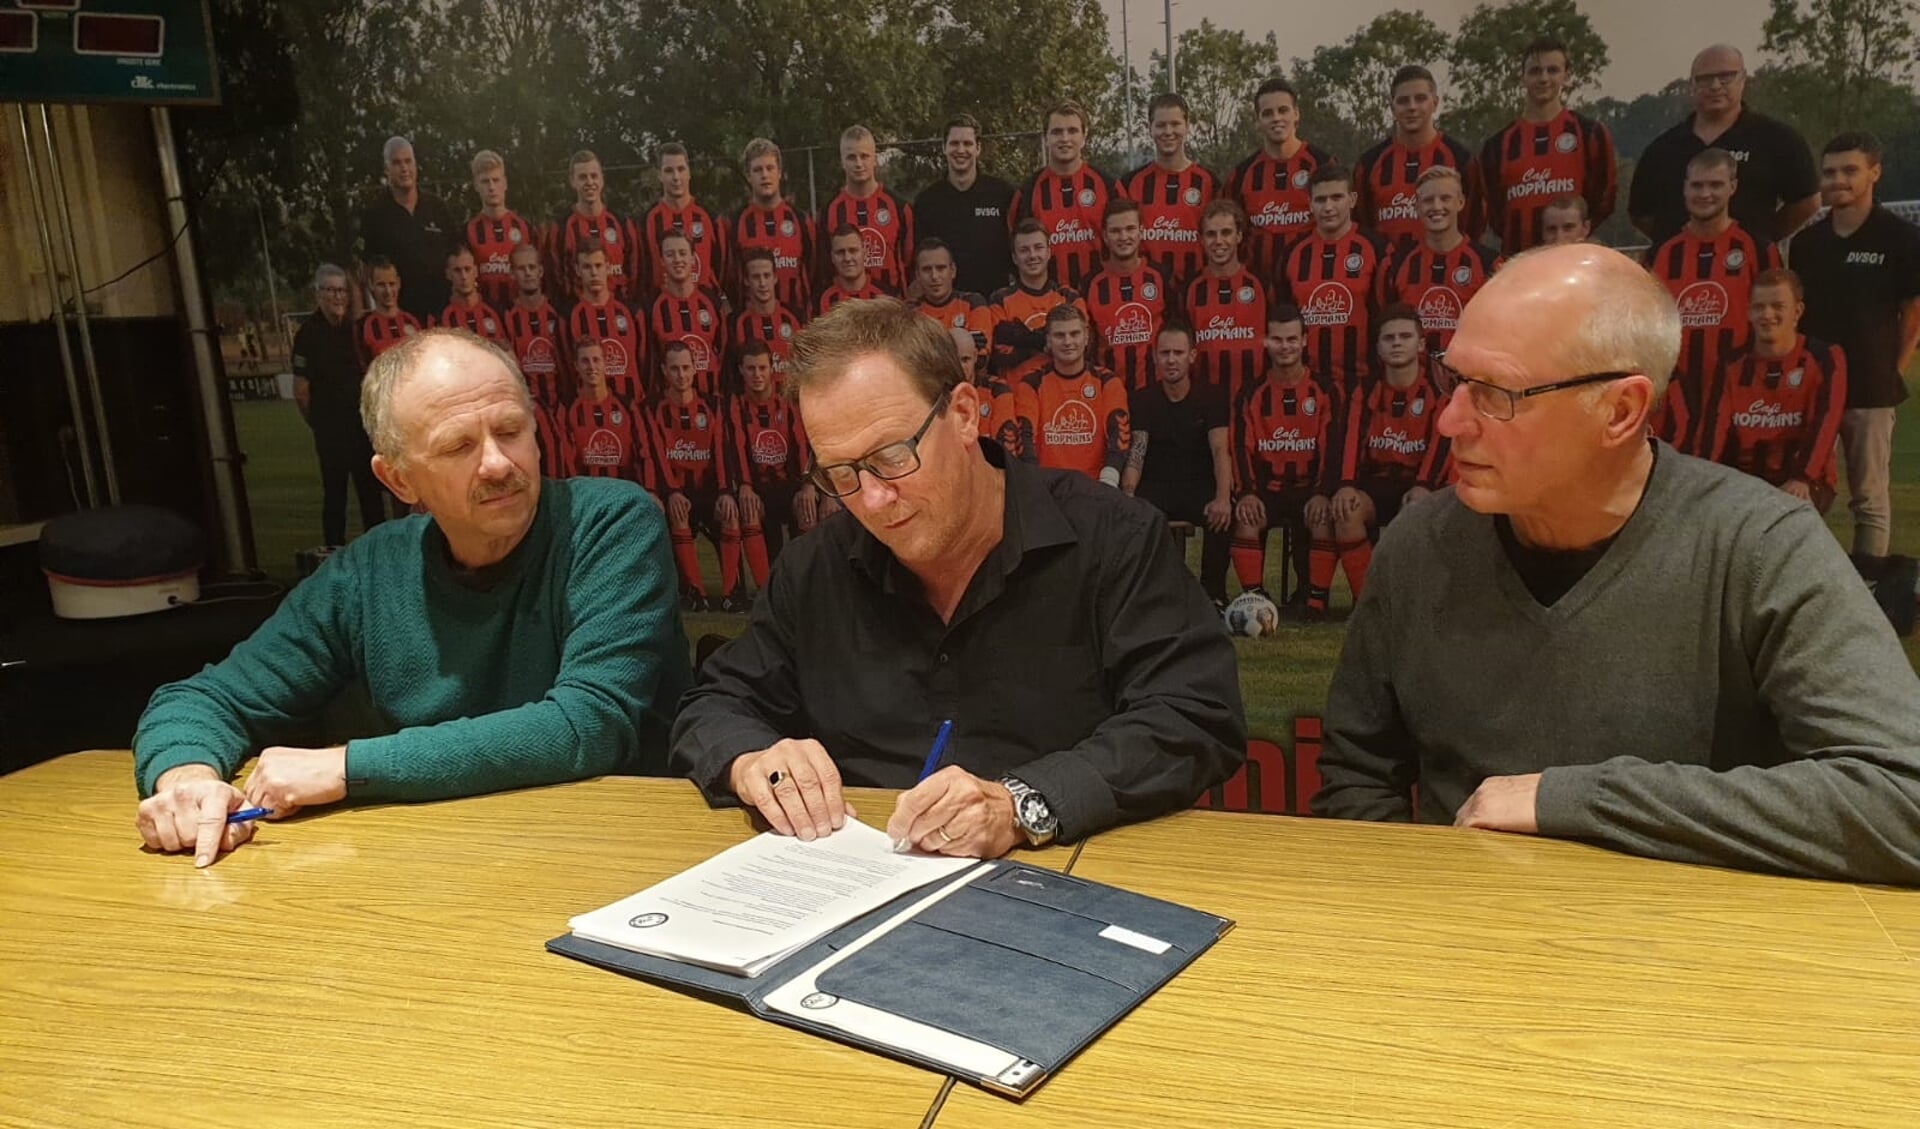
[(147, 52)]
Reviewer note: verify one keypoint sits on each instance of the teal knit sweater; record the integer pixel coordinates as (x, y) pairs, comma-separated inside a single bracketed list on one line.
[(569, 663)]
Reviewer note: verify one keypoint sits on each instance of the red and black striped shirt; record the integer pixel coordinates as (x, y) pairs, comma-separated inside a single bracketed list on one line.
[(777, 329), (1438, 284), (607, 439), (1070, 208), (477, 318), (378, 332), (1170, 204), (1389, 432), (623, 348), (886, 231), (1711, 281), (767, 443), (789, 234), (1385, 177), (607, 230), (1284, 436), (1229, 319), (697, 224), (1128, 311), (1777, 417), (834, 294), (696, 322), (492, 240), (1333, 281), (1273, 192), (689, 445), (538, 343), (1526, 165)]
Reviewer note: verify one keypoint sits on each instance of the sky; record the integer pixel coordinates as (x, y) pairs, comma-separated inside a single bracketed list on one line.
[(1651, 41)]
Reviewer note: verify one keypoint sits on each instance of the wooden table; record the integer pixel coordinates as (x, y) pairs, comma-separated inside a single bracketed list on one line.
[(1413, 976), (384, 966), (381, 966)]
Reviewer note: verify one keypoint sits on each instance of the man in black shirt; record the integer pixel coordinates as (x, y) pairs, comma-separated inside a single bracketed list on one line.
[(1778, 190), (412, 228), (1861, 267), (969, 210), (326, 388), (1189, 474), (1047, 617)]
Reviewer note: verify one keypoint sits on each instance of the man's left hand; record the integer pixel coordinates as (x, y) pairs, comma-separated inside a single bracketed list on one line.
[(1502, 803), (287, 779), (954, 812), (1219, 514)]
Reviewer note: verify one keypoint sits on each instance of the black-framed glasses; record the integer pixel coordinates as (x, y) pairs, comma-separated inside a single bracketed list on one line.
[(1716, 78), (895, 460), (1499, 403)]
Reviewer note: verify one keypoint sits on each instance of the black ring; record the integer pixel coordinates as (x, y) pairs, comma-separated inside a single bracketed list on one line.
[(774, 778)]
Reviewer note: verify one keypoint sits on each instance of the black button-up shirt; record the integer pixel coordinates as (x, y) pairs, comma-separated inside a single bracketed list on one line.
[(1083, 659), (1775, 169), (417, 242)]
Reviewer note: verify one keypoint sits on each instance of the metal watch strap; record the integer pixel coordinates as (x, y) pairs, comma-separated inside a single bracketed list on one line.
[(1023, 794)]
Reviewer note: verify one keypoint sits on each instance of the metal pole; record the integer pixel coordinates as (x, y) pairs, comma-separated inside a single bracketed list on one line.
[(1173, 83), (59, 312), (1126, 76), (80, 313), (813, 188), (273, 290), (226, 467)]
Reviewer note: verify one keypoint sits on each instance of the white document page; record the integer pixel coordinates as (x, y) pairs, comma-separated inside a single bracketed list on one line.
[(748, 906), (802, 997)]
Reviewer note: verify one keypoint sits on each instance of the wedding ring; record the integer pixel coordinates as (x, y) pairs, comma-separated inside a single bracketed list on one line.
[(944, 837)]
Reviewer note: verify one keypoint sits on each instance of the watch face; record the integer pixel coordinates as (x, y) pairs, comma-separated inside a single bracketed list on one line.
[(1035, 816)]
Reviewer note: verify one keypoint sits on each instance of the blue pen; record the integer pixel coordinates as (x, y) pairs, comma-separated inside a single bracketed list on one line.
[(245, 814), (939, 746)]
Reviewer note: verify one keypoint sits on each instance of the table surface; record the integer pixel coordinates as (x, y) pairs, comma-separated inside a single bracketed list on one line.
[(1420, 976), (384, 965)]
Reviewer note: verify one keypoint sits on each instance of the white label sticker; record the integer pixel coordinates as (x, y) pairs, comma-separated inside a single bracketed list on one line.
[(1138, 940)]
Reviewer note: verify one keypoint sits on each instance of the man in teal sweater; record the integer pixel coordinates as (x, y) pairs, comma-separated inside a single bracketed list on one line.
[(1592, 636), (519, 634)]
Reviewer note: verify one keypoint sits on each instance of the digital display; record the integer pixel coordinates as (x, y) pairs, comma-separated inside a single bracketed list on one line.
[(101, 34), (18, 31)]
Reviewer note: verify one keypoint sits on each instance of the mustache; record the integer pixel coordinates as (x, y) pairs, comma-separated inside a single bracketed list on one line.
[(512, 485)]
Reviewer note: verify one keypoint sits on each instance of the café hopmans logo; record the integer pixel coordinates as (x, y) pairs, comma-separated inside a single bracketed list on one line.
[(1067, 232), (1072, 425), (1765, 415), (1538, 181), (603, 448), (1288, 440), (1439, 308), (1280, 214), (1703, 305), (874, 245), (769, 448), (1167, 229), (1132, 325), (614, 355), (1330, 304)]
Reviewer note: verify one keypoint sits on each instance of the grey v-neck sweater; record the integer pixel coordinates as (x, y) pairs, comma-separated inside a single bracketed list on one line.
[(1719, 688)]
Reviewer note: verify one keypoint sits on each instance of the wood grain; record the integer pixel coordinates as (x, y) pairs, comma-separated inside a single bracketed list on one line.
[(381, 966), (1403, 976)]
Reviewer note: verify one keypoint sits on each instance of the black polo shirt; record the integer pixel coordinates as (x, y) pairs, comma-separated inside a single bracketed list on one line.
[(1178, 472), (1776, 168), (1857, 288), (974, 224), (325, 357), (417, 242), (1083, 659)]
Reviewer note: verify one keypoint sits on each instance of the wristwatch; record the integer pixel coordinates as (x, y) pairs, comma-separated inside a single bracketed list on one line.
[(1031, 814)]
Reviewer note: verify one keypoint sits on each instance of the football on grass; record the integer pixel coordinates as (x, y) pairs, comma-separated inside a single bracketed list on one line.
[(1252, 615)]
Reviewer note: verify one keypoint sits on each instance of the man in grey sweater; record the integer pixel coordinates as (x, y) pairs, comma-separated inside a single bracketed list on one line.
[(1592, 636)]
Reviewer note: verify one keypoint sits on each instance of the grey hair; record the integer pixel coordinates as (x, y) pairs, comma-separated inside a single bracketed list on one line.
[(1634, 325), (394, 145), (392, 368), (326, 271)]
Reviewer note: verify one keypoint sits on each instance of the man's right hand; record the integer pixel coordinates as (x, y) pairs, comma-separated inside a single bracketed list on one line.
[(188, 812), (1250, 511), (795, 786)]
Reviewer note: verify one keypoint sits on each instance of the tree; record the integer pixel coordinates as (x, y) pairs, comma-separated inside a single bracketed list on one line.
[(1484, 60), (1840, 64), (1219, 70), (1634, 124), (1345, 88)]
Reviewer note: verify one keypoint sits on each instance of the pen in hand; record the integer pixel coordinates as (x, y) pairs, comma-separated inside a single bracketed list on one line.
[(246, 814), (902, 846)]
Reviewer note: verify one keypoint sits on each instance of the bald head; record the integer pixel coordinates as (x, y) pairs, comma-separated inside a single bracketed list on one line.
[(1719, 79), (1559, 312), (453, 356), (963, 342), (1719, 57)]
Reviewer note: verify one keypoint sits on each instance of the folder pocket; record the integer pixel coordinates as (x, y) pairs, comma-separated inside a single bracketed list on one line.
[(1059, 936), (1026, 1005), (1178, 926)]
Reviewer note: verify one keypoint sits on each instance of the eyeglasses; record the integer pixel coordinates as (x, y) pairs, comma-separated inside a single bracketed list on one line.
[(333, 290), (895, 460), (1716, 78), (1499, 403)]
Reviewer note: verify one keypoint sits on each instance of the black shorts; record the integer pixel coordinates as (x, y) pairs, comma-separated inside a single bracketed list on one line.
[(703, 501), (1388, 496), (1189, 508), (776, 503), (1288, 506)]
